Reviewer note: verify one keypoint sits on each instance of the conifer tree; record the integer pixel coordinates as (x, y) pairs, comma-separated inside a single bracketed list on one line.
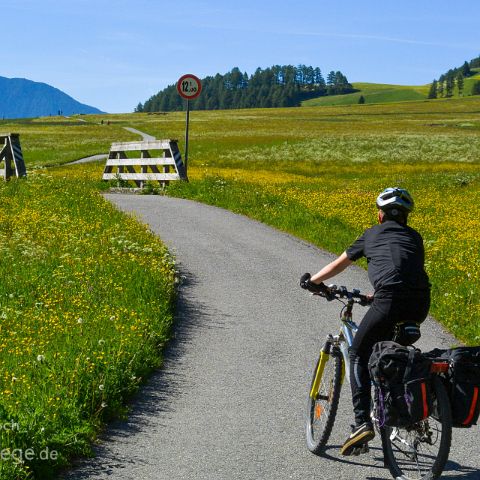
[(460, 83), (466, 69), (449, 84), (433, 90), (440, 89)]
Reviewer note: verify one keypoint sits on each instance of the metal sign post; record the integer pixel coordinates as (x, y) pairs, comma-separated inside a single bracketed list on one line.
[(189, 87), (187, 120)]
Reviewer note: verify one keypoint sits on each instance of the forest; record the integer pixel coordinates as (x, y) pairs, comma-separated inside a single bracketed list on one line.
[(277, 86)]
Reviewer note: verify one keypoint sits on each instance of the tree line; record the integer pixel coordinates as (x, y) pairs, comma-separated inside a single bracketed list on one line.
[(445, 85), (276, 86)]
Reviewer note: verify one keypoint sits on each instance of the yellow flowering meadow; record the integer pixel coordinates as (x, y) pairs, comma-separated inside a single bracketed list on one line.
[(331, 205), (85, 305)]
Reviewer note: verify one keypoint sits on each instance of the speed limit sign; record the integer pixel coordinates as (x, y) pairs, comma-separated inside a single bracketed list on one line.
[(189, 86)]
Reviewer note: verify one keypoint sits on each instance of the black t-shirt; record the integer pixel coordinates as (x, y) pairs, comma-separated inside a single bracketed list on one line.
[(395, 257)]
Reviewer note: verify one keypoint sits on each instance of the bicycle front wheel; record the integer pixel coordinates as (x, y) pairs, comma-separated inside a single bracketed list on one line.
[(420, 452), (322, 407)]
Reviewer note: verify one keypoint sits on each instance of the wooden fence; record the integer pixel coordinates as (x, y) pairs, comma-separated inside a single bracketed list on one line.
[(161, 157), (11, 151)]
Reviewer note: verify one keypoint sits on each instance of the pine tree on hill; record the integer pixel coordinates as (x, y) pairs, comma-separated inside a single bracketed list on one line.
[(466, 72), (449, 84), (433, 90), (440, 88), (460, 83)]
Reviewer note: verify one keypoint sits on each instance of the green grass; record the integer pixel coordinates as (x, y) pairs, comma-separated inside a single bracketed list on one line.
[(373, 93), (86, 304)]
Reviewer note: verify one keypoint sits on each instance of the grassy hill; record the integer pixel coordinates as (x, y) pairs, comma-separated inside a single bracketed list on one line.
[(373, 93), (384, 93)]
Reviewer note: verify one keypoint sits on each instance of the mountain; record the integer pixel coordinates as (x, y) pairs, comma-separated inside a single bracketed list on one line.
[(22, 98)]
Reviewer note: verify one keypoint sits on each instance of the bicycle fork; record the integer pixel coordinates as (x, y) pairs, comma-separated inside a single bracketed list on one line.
[(322, 361)]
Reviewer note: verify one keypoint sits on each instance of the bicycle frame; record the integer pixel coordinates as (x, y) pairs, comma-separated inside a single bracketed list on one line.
[(341, 343)]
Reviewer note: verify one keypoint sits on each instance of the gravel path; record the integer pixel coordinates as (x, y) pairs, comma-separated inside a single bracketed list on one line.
[(229, 402), (92, 158)]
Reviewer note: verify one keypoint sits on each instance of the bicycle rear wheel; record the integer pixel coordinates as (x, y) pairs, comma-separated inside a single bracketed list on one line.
[(321, 410), (420, 452)]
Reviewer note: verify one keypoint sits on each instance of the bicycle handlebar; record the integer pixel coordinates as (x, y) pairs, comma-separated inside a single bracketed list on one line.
[(332, 292)]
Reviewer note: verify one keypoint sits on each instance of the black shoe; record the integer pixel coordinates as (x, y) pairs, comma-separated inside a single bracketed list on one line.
[(359, 436)]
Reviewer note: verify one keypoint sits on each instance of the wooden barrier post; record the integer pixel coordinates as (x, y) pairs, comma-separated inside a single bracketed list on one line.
[(11, 151)]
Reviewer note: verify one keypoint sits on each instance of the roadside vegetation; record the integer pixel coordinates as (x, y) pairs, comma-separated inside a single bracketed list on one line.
[(86, 304), (87, 295)]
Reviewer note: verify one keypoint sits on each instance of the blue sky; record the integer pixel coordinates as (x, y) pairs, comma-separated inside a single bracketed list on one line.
[(114, 54)]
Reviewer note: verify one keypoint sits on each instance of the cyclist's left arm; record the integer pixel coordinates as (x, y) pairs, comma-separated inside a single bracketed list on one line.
[(332, 269)]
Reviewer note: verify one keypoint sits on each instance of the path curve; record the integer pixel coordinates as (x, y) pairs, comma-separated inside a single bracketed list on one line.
[(145, 136), (102, 156), (229, 402), (91, 158)]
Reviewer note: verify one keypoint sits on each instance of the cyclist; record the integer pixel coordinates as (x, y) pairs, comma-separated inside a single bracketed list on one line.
[(395, 256)]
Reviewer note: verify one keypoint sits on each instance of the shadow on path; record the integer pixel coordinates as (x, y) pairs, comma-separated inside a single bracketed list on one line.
[(156, 397), (461, 471)]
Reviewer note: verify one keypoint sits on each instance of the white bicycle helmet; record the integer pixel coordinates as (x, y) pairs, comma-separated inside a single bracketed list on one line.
[(395, 198)]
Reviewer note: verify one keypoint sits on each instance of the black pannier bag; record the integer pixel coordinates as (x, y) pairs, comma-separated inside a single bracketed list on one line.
[(402, 381), (463, 383)]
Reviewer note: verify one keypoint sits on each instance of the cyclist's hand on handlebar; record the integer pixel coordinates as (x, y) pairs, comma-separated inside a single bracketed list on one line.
[(305, 280), (367, 299), (307, 284)]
